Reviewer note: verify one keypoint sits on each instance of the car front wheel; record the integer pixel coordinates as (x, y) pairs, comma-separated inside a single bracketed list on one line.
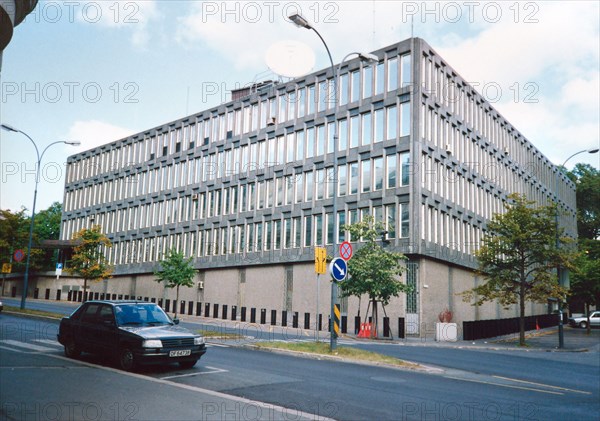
[(127, 360), (583, 325), (71, 350)]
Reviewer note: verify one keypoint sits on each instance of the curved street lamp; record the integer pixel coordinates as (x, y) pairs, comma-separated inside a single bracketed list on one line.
[(561, 338), (301, 22), (9, 128)]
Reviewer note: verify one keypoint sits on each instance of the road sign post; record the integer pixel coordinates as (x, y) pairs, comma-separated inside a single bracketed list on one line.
[(320, 268), (338, 270)]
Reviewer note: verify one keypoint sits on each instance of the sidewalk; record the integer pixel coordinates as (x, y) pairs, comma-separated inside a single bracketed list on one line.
[(575, 339)]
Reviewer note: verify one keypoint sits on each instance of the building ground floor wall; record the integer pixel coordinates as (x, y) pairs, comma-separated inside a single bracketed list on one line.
[(287, 294)]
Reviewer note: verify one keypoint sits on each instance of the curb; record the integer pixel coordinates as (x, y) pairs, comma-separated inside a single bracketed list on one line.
[(309, 355)]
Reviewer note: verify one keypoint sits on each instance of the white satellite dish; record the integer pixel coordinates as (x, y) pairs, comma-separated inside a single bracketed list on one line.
[(290, 58)]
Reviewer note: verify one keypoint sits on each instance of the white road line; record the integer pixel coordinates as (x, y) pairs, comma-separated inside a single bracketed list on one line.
[(544, 385), (504, 385), (217, 345), (213, 371), (26, 345), (48, 342), (268, 406)]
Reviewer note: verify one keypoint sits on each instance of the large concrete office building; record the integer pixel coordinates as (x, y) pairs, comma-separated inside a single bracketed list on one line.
[(246, 188)]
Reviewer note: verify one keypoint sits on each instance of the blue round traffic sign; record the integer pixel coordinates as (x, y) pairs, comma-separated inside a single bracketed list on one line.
[(338, 269)]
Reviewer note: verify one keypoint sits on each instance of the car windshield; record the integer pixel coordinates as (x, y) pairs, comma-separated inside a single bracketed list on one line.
[(139, 314)]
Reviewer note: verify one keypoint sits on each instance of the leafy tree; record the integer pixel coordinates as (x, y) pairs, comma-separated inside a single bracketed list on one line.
[(585, 281), (373, 270), (46, 227), (176, 271), (14, 232), (519, 256), (587, 179), (88, 257)]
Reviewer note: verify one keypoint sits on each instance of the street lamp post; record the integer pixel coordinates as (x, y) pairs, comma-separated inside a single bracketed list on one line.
[(303, 23), (561, 337), (37, 179)]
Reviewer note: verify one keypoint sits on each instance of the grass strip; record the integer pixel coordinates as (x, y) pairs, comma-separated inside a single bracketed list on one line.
[(322, 348), (33, 312)]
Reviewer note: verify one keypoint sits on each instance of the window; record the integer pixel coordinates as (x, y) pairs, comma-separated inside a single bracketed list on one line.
[(392, 122), (392, 74), (405, 162), (405, 119), (406, 76), (321, 140), (310, 142), (366, 176), (309, 186), (299, 146), (391, 163), (354, 131), (341, 222), (390, 221), (277, 233), (379, 125), (320, 184), (343, 135), (319, 229), (354, 178), (355, 87), (367, 82), (366, 129), (379, 79), (343, 89), (329, 222), (343, 180), (378, 164), (308, 231), (404, 220)]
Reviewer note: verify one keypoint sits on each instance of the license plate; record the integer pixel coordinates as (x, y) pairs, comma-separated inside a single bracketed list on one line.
[(182, 353)]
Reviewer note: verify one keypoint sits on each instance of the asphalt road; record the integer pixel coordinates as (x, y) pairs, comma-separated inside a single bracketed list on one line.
[(474, 385)]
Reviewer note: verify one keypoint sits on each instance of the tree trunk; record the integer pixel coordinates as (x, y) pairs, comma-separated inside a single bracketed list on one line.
[(176, 300), (522, 315), (588, 329), (374, 324)]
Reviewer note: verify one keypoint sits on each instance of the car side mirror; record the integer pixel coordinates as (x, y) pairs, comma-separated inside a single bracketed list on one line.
[(176, 321)]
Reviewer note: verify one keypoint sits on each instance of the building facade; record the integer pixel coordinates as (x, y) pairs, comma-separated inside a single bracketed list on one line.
[(246, 188)]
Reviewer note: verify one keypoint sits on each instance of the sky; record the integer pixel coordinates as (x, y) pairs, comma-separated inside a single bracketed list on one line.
[(98, 71)]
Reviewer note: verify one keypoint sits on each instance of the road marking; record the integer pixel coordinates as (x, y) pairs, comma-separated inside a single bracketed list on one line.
[(48, 342), (218, 345), (544, 385), (26, 345), (213, 371), (265, 405), (505, 385)]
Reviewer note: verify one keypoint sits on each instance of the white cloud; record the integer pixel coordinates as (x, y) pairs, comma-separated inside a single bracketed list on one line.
[(134, 16), (93, 133)]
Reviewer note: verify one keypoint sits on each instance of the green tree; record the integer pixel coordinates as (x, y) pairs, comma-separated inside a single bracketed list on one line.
[(519, 256), (373, 270), (14, 231), (585, 281), (88, 258), (46, 227), (587, 179), (176, 271)]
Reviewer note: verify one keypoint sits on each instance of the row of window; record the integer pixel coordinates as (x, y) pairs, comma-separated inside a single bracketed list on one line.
[(370, 174), (264, 236), (285, 106), (437, 80), (441, 228)]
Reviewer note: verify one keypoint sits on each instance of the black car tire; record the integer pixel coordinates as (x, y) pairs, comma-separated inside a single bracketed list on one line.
[(127, 360), (187, 364), (583, 325), (71, 350)]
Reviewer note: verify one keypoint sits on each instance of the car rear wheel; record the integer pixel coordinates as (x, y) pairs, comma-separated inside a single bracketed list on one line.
[(187, 364), (583, 325), (127, 360), (71, 350)]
